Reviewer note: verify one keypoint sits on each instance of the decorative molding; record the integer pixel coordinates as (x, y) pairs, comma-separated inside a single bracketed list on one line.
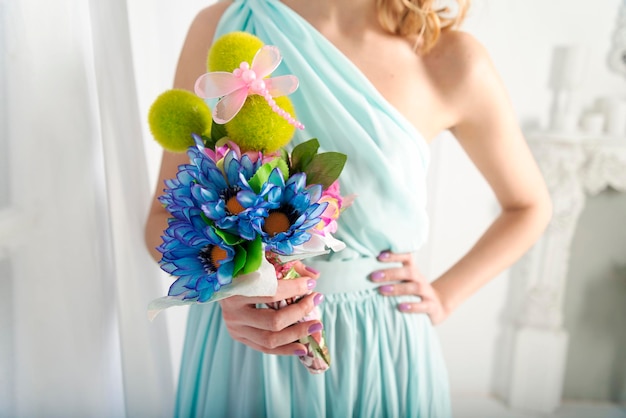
[(574, 167), (605, 167), (617, 55)]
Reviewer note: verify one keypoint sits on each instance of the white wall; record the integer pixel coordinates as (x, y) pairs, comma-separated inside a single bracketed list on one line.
[(463, 206), (520, 36)]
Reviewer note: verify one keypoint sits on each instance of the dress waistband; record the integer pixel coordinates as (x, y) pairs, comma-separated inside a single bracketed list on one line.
[(346, 276)]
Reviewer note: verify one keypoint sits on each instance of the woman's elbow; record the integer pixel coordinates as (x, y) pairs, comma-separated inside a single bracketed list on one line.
[(542, 210), (152, 235)]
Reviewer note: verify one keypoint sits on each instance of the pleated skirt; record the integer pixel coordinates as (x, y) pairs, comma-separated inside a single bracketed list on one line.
[(385, 363)]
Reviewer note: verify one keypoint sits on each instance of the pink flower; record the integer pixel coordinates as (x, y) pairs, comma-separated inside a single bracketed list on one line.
[(221, 149), (328, 224), (265, 158), (333, 191), (225, 145)]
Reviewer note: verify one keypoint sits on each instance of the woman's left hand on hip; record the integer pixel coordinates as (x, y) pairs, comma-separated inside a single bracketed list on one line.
[(408, 280)]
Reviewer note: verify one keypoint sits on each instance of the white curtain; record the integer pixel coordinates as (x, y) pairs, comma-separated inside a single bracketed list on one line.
[(75, 275)]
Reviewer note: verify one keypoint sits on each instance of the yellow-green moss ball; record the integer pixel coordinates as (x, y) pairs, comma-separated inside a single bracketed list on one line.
[(231, 49), (175, 115), (258, 128)]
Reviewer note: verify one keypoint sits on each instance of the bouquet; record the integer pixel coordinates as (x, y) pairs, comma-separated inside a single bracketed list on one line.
[(244, 209)]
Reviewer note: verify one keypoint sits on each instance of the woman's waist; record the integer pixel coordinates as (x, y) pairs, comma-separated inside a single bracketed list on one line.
[(347, 276)]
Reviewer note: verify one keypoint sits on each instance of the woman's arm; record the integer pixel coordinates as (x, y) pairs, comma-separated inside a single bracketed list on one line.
[(486, 127), (488, 131)]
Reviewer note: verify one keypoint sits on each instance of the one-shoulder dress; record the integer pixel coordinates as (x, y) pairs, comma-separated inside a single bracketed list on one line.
[(384, 363)]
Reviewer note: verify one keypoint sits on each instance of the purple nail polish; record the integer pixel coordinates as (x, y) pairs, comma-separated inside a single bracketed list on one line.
[(311, 283), (384, 255), (386, 288), (317, 299), (405, 307), (312, 270), (377, 275), (316, 327), (300, 353)]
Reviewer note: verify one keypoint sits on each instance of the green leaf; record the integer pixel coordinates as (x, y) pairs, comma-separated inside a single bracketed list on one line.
[(263, 173), (303, 154), (291, 274), (206, 219), (239, 260), (254, 251), (257, 181), (228, 238), (284, 154), (325, 168), (217, 132), (208, 142), (283, 167)]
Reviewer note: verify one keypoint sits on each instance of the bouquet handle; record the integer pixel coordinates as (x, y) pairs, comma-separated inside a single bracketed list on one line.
[(317, 357)]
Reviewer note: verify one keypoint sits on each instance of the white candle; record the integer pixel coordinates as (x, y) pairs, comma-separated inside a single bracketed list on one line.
[(568, 67), (615, 113), (592, 123)]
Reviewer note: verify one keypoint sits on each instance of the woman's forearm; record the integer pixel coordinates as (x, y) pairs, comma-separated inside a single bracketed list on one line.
[(155, 225), (502, 244)]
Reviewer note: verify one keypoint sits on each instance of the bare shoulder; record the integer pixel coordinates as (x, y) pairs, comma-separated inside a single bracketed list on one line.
[(458, 60), (465, 78), (459, 45)]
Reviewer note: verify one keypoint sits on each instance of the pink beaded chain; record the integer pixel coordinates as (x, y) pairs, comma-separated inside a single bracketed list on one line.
[(256, 85)]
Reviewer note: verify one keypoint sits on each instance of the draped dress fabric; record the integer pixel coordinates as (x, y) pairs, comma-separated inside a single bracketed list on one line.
[(384, 363)]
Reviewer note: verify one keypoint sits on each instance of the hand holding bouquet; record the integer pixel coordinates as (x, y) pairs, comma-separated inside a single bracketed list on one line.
[(244, 208)]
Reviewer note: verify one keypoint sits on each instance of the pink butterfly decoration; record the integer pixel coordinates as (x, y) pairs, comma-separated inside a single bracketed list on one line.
[(233, 88)]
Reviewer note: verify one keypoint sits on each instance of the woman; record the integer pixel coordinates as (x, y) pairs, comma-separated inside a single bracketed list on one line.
[(379, 79)]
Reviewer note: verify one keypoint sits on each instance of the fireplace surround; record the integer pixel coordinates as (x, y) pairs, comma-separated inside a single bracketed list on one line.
[(534, 342)]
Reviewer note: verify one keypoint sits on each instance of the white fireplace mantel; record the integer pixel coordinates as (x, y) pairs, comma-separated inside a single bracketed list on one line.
[(535, 341)]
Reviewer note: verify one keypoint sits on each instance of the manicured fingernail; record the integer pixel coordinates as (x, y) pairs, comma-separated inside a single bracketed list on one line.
[(312, 270), (316, 327), (300, 353), (405, 307), (377, 275), (386, 289), (384, 255), (317, 299), (311, 283)]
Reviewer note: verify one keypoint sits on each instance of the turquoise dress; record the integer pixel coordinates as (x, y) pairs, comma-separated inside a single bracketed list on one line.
[(384, 363)]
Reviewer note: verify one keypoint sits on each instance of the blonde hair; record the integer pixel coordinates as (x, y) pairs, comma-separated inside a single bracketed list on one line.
[(419, 18)]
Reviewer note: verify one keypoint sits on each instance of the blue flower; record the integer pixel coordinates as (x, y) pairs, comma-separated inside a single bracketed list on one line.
[(225, 197), (293, 211), (177, 197), (200, 259)]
